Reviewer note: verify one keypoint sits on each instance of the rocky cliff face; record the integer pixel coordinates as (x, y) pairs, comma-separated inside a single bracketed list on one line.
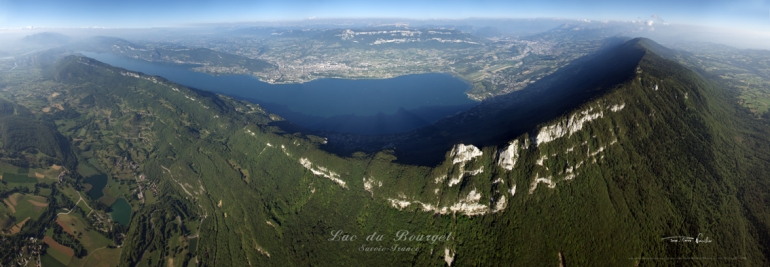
[(629, 153)]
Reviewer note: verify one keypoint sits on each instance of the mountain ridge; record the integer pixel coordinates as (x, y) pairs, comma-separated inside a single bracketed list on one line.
[(581, 83)]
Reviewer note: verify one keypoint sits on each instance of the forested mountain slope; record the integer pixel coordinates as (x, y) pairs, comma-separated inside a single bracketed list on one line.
[(642, 150)]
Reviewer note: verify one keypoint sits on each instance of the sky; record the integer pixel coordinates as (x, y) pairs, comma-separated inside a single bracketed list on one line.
[(736, 14)]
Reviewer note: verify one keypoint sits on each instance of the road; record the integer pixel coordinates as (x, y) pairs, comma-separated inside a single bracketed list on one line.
[(76, 204)]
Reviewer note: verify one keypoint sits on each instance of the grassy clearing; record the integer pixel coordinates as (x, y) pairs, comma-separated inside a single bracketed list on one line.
[(87, 170), (193, 247), (73, 195), (108, 200), (114, 190), (45, 192), (149, 198)]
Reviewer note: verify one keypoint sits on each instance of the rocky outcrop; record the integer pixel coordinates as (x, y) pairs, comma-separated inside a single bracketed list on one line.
[(461, 153)]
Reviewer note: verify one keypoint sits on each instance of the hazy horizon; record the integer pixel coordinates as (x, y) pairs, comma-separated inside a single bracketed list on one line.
[(745, 15), (742, 24)]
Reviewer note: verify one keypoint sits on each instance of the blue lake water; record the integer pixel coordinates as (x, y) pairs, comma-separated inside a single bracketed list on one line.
[(121, 211), (356, 106), (98, 183)]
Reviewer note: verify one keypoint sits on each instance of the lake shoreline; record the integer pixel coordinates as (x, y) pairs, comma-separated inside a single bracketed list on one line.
[(399, 104)]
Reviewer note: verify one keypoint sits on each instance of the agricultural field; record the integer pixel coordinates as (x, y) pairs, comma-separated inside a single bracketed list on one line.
[(27, 206), (11, 174), (48, 260), (18, 178), (744, 70), (18, 208), (23, 206), (104, 257), (756, 99), (16, 228), (46, 175), (76, 226), (58, 252)]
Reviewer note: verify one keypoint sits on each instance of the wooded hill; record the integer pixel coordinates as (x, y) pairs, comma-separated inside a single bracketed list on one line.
[(590, 171)]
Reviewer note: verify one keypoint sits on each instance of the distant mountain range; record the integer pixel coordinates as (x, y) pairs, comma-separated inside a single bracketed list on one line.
[(46, 38), (402, 37), (171, 54)]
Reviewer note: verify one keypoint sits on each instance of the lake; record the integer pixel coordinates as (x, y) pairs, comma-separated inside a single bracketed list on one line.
[(121, 211), (98, 183), (352, 106)]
